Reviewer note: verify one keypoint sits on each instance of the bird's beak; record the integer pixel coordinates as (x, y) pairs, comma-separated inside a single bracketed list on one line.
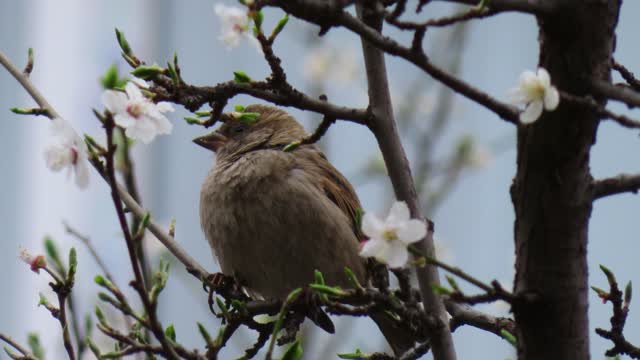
[(212, 141)]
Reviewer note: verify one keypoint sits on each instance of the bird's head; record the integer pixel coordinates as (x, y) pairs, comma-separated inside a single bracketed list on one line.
[(271, 128)]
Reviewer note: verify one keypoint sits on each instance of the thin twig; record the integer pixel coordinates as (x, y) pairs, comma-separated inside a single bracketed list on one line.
[(15, 345), (606, 89), (87, 242), (627, 75), (385, 130), (139, 284)]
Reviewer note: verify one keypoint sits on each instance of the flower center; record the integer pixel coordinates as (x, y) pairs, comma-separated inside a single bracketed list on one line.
[(536, 90), (135, 110), (390, 235), (237, 27), (74, 155)]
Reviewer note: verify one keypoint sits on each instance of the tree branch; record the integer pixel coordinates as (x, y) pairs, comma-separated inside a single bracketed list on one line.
[(610, 91), (326, 17), (616, 185), (191, 264), (384, 128)]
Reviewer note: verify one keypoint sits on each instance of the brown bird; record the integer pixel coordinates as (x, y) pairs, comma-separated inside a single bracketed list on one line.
[(273, 217)]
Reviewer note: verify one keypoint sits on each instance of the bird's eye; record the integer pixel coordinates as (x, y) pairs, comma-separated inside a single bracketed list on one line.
[(238, 129)]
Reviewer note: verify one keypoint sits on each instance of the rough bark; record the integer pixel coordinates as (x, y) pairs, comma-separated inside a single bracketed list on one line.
[(552, 192)]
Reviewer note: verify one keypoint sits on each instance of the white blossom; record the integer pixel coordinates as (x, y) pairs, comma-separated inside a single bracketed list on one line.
[(36, 262), (535, 91), (389, 238), (67, 151), (235, 25), (139, 116)]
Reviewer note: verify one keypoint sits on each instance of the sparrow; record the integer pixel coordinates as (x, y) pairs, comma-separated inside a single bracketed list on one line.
[(273, 217)]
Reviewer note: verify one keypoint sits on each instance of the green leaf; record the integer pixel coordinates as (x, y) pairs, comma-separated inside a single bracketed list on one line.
[(147, 72), (100, 315), (170, 332), (173, 74), (440, 290), (239, 108), (12, 354), (258, 18), (511, 339), (204, 113), (248, 117), (122, 41), (276, 31), (351, 276), (452, 282), (54, 255), (319, 278), (609, 274), (241, 77), (43, 300), (357, 355), (110, 78), (291, 146), (193, 120), (73, 265), (100, 280), (328, 290), (34, 344), (294, 352), (93, 347), (88, 325), (204, 333)]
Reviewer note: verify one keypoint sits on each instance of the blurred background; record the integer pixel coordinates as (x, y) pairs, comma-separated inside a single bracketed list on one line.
[(462, 155)]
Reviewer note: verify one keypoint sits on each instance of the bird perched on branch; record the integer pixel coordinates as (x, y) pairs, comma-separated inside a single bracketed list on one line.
[(273, 217)]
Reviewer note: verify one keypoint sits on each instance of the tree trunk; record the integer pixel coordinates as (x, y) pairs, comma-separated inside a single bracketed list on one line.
[(552, 191)]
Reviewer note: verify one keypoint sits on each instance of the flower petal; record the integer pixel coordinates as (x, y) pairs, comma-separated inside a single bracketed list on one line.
[(57, 157), (142, 130), (397, 255), (413, 230), (543, 77), (527, 77), (163, 125), (133, 92), (140, 82), (114, 101), (82, 174), (532, 112), (398, 214), (551, 98), (164, 106), (517, 96), (372, 226), (373, 247), (124, 120)]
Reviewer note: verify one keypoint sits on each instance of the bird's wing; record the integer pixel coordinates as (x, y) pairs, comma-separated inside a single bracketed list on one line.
[(333, 184)]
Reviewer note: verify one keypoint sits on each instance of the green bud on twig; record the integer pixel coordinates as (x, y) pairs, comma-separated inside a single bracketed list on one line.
[(279, 27), (294, 352), (33, 340), (148, 72), (291, 146), (328, 290), (205, 334), (193, 120), (357, 355), (124, 44), (511, 339), (73, 265), (170, 332), (241, 77)]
